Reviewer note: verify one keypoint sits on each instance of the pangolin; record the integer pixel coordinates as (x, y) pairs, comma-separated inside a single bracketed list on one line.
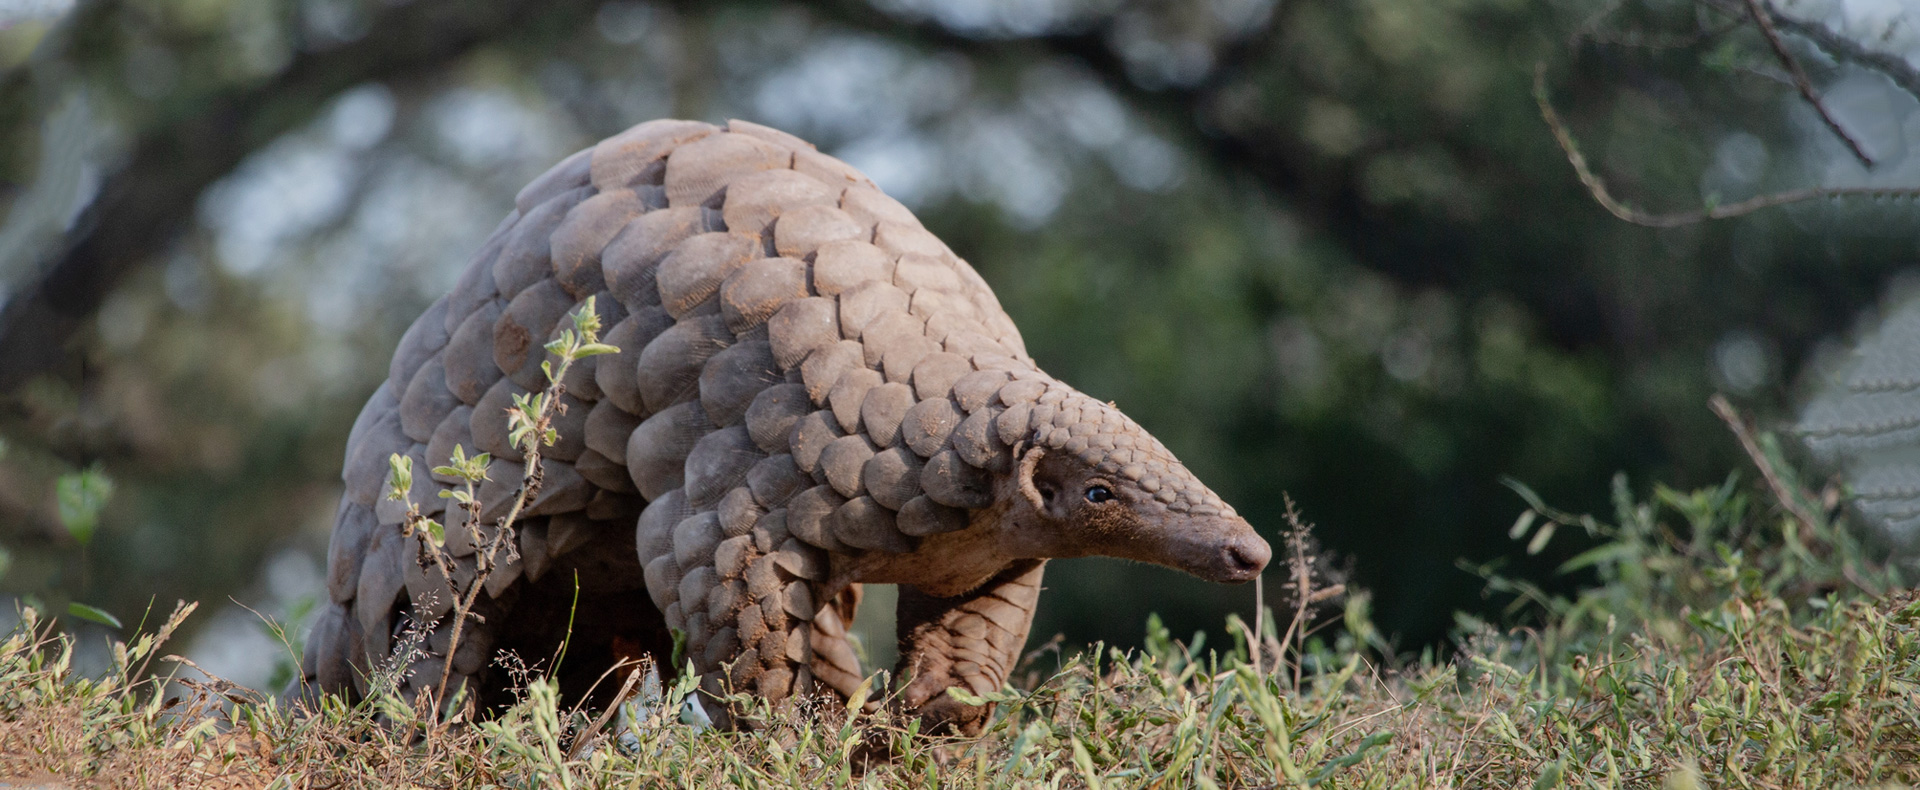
[(812, 393)]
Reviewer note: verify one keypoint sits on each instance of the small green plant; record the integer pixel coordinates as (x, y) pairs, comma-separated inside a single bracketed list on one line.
[(530, 428), (81, 496), (79, 499)]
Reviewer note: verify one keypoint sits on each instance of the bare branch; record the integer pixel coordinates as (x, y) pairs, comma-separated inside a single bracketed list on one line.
[(1789, 499), (1598, 188), (1790, 495), (1800, 81), (1840, 47)]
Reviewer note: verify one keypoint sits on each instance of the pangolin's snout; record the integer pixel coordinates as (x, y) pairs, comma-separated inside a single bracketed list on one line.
[(1244, 556), (1220, 549)]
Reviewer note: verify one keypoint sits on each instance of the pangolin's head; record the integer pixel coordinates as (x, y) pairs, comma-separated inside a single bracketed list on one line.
[(1087, 480)]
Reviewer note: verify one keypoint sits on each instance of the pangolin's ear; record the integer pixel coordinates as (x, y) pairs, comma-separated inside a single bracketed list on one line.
[(1029, 462)]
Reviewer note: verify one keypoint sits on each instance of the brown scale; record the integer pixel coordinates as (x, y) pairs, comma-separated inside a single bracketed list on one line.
[(812, 392), (806, 230)]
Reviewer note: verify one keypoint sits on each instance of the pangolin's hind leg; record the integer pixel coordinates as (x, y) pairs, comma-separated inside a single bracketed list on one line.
[(970, 641)]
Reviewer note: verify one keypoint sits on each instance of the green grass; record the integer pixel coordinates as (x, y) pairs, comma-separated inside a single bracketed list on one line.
[(1730, 637)]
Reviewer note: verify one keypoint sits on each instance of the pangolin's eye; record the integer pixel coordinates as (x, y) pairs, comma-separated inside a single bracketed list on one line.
[(1099, 494)]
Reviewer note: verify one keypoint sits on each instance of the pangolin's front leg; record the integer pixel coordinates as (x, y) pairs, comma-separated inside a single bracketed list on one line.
[(970, 641)]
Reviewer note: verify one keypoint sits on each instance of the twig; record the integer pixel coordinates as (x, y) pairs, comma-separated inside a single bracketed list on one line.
[(1598, 188), (585, 736), (531, 426), (1840, 47), (181, 610), (220, 686), (530, 481), (1788, 498), (1301, 567), (465, 605), (1350, 725), (1800, 81), (1259, 620)]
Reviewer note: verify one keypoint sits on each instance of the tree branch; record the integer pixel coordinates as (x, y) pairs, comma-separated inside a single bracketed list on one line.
[(1840, 47), (145, 205), (1598, 188), (1800, 81)]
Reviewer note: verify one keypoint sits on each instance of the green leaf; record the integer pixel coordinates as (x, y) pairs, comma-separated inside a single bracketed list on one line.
[(1084, 762), (470, 469), (92, 614), (858, 699), (436, 533), (81, 496), (967, 698), (963, 697), (1351, 758), (693, 714), (1605, 552), (594, 350), (1539, 505), (399, 476), (586, 321)]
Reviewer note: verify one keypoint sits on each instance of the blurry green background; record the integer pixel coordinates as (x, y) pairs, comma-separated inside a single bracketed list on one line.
[(1324, 248)]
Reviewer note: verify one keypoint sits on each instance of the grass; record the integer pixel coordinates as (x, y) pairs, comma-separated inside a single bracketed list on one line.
[(1737, 636)]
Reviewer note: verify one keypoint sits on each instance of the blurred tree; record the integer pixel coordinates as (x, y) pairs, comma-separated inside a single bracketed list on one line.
[(1320, 247)]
